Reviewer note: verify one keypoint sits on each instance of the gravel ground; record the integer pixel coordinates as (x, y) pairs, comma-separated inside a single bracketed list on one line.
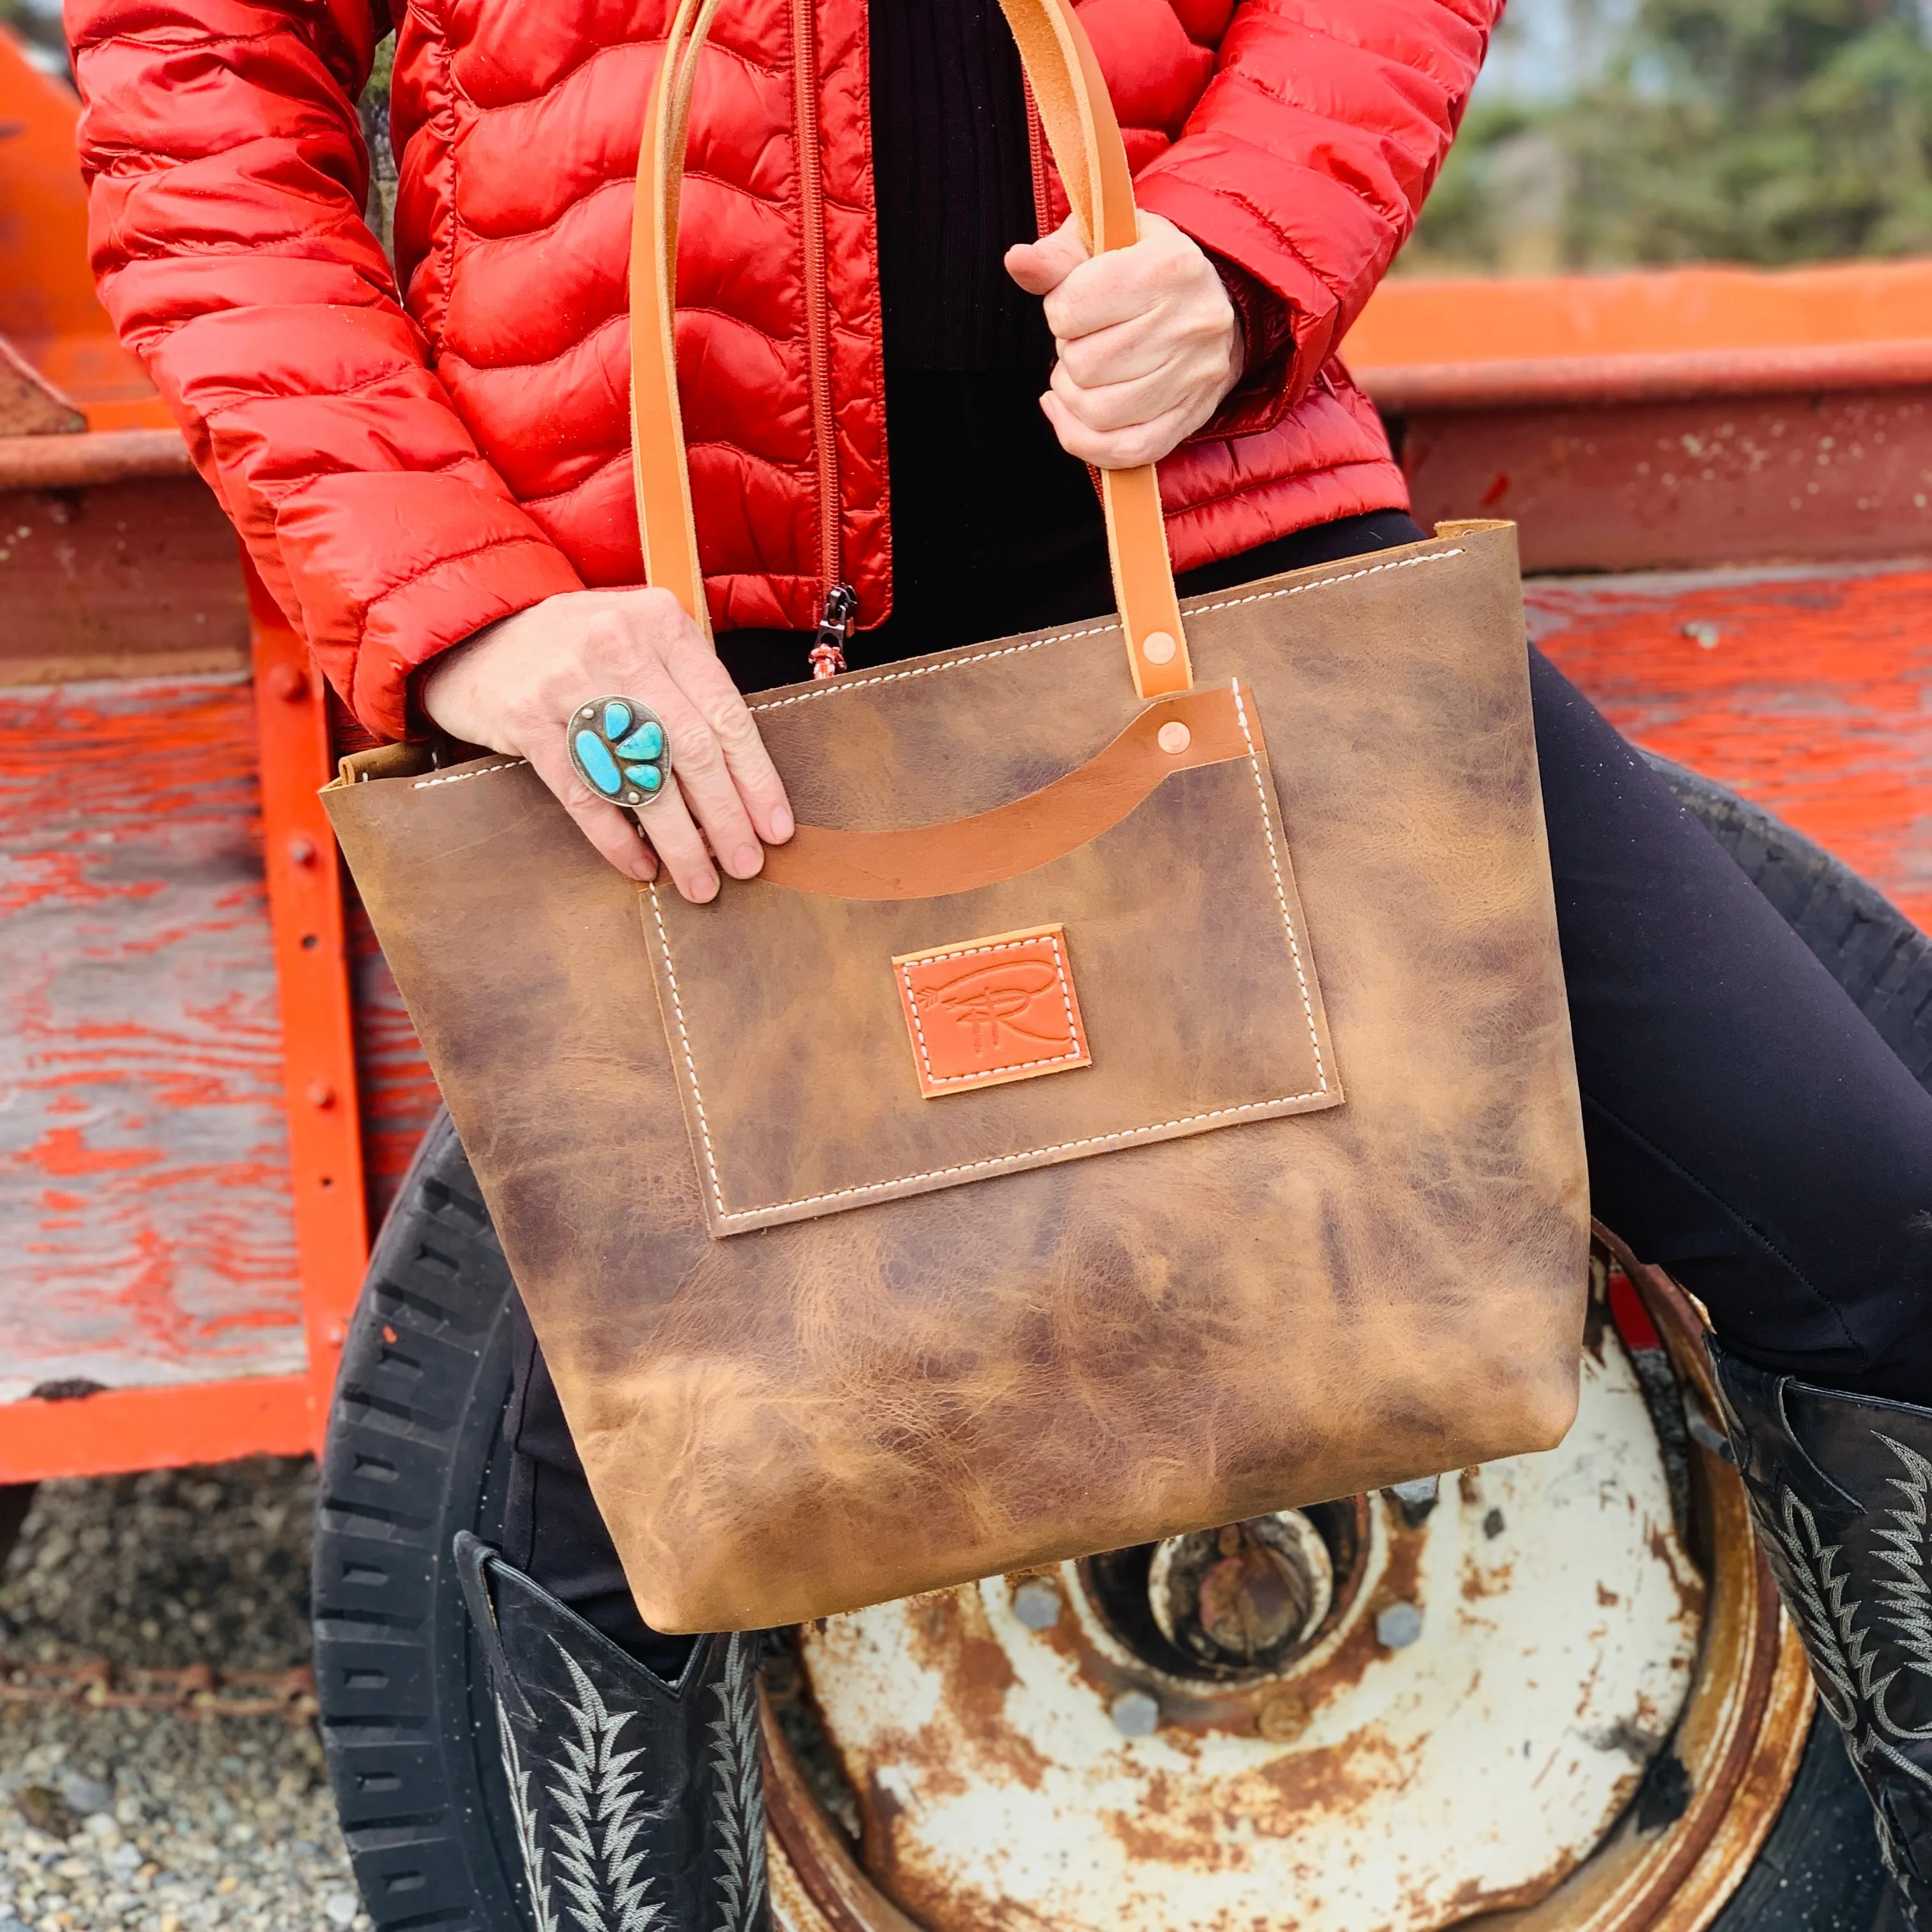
[(150, 1821)]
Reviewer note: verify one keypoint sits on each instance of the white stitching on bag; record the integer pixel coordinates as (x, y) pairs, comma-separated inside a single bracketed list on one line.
[(1007, 650), (684, 1038), (457, 778), (1280, 890), (996, 1162), (1096, 631), (1326, 583)]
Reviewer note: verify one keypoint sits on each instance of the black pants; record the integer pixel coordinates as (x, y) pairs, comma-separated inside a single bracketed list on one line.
[(1747, 1129)]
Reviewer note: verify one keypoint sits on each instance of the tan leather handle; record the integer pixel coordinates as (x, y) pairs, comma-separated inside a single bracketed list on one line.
[(1085, 138), (928, 862)]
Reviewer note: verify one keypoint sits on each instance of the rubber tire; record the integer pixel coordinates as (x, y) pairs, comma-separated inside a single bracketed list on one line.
[(412, 1455)]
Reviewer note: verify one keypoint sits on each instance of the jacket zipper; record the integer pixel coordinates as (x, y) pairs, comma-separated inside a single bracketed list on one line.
[(841, 603), (1037, 153)]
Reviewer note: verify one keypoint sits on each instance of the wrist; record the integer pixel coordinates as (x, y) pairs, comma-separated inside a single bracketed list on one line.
[(443, 692), (1258, 398)]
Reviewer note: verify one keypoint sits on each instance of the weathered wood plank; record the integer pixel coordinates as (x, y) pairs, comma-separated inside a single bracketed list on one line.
[(140, 578), (1645, 485), (1809, 690), (144, 1201)]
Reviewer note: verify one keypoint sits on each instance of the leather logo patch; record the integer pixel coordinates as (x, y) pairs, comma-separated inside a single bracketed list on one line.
[(987, 1011)]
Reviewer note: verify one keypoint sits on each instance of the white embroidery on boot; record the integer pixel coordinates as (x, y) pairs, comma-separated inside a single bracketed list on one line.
[(528, 1841), (1907, 1605), (740, 1809), (1844, 1665), (597, 1793)]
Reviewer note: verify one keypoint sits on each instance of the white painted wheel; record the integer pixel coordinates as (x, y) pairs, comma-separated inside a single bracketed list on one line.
[(1494, 1674)]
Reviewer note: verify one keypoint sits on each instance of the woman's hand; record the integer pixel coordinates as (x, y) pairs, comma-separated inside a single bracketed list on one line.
[(514, 687), (1149, 342)]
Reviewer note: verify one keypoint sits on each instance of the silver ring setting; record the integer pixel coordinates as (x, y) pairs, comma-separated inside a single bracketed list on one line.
[(620, 749)]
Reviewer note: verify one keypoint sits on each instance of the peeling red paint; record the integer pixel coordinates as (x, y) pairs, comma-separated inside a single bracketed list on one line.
[(1815, 700), (139, 1044)]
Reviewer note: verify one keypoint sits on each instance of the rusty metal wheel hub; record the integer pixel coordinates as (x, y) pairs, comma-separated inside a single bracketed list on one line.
[(1399, 1712)]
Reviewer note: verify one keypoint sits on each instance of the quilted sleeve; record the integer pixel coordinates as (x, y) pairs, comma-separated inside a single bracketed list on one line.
[(1306, 160), (227, 178)]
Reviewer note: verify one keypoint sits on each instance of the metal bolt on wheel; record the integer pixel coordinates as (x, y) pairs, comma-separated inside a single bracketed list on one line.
[(1556, 1688)]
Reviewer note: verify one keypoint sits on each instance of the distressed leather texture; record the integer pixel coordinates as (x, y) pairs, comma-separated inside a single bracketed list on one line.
[(1088, 1353), (785, 1020)]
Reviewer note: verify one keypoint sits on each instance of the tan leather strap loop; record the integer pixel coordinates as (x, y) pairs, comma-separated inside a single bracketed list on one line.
[(1085, 138)]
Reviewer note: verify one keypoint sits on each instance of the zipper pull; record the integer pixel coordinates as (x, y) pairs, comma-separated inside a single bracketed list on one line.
[(835, 624)]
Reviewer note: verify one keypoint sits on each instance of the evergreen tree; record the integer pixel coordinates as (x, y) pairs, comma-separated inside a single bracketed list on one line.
[(1754, 130)]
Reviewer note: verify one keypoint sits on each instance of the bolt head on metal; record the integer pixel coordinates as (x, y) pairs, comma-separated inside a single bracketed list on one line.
[(1136, 1714), (1157, 647), (1282, 1719), (1173, 737), (1036, 1603), (1398, 1627)]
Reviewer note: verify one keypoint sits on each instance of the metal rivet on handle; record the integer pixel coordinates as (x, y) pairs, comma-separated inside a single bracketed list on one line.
[(1157, 647), (1174, 736)]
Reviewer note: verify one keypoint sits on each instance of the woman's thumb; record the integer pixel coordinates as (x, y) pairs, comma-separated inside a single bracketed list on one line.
[(1040, 267)]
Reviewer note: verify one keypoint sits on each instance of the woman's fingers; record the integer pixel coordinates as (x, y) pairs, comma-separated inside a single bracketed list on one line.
[(1117, 406), (707, 685), (1122, 448), (613, 833), (1040, 267), (515, 685), (1121, 354), (701, 784), (667, 823)]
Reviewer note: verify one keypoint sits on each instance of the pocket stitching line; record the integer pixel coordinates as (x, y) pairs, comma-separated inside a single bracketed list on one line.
[(1010, 1160)]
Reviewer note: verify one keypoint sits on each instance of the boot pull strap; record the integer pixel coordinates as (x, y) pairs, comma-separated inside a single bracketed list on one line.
[(473, 1558)]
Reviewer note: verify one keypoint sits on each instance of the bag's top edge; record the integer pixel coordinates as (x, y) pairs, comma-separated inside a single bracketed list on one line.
[(413, 760)]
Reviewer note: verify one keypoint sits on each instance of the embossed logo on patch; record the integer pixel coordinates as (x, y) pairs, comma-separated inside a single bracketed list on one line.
[(986, 1011)]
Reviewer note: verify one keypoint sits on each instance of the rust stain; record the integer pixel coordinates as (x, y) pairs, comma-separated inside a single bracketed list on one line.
[(1479, 1582), (1337, 1780)]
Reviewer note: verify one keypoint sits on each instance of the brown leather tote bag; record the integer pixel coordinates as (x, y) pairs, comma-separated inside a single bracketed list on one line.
[(1139, 1097)]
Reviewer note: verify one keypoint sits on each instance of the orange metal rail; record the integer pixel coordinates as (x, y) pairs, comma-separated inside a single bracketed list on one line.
[(312, 971)]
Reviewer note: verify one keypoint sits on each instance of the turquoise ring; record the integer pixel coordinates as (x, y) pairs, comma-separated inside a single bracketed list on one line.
[(620, 749)]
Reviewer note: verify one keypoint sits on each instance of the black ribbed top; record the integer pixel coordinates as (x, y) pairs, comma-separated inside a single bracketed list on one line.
[(954, 186)]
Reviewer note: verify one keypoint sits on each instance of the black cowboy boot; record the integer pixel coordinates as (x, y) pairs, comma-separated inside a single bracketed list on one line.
[(1841, 1487), (640, 1804)]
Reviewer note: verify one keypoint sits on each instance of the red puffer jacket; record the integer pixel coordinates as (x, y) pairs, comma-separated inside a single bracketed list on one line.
[(403, 473)]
